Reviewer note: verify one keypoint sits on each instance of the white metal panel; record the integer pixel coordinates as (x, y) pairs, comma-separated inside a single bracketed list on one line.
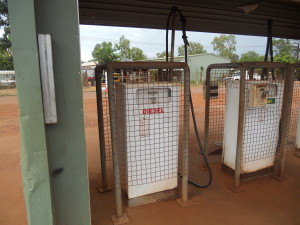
[(147, 137), (47, 78), (257, 130)]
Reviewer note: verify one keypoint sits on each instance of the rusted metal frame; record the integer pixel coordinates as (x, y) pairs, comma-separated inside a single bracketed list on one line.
[(114, 136), (240, 131), (104, 186), (120, 217), (242, 67), (251, 72), (297, 70), (285, 117), (185, 147), (144, 65), (207, 98)]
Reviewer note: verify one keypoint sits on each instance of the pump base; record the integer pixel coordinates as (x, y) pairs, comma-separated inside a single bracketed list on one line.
[(121, 220), (251, 175), (188, 203), (104, 189), (151, 198)]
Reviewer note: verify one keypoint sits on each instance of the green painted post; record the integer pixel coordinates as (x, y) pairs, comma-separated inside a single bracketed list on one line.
[(34, 158), (60, 145), (66, 139)]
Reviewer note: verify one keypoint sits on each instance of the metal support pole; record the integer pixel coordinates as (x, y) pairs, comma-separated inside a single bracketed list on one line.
[(185, 153), (251, 74), (173, 38), (104, 186), (119, 218), (206, 122), (239, 145), (285, 117)]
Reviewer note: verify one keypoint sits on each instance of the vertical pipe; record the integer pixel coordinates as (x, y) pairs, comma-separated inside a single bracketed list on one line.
[(186, 112), (101, 128), (286, 115), (297, 54), (207, 103), (239, 144), (173, 38), (112, 114)]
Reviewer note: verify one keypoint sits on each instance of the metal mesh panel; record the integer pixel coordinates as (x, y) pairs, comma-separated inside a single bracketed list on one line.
[(266, 106), (296, 101), (106, 123), (261, 122), (149, 120), (217, 98)]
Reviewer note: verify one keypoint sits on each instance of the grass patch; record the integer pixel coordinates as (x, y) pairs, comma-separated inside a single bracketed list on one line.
[(8, 92)]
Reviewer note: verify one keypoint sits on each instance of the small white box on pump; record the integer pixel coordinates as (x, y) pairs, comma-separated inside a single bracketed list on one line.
[(148, 123)]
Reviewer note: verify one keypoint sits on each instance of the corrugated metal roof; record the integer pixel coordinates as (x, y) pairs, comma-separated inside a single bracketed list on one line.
[(219, 16)]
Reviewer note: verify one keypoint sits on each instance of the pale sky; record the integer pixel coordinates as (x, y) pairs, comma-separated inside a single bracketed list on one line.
[(152, 41)]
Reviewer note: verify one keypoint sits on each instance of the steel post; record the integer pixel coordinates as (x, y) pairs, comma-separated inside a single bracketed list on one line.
[(112, 114), (101, 131), (285, 117), (207, 103), (239, 145), (173, 38), (186, 112)]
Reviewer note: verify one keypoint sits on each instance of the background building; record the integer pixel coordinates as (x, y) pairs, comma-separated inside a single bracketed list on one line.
[(198, 64)]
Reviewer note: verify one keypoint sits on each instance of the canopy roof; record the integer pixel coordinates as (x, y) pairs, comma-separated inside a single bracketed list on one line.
[(218, 16)]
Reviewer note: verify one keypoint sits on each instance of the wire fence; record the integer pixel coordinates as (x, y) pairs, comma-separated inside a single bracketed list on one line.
[(262, 130), (145, 119), (217, 102), (106, 123), (296, 101)]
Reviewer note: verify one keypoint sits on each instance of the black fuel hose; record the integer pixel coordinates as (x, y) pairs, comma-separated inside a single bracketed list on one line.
[(174, 9)]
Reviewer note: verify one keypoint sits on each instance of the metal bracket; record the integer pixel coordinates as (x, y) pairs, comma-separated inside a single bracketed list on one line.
[(187, 203), (278, 178), (235, 189), (121, 220), (47, 78), (103, 189)]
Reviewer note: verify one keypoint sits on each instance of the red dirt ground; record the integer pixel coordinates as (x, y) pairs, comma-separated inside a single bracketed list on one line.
[(262, 201)]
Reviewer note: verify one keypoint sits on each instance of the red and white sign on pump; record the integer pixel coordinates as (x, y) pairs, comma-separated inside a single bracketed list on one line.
[(153, 111)]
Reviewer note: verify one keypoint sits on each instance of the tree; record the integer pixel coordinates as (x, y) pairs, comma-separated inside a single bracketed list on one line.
[(6, 58), (137, 54), (126, 52), (6, 61), (225, 46), (162, 54), (123, 47), (104, 53), (192, 49), (251, 56), (285, 50)]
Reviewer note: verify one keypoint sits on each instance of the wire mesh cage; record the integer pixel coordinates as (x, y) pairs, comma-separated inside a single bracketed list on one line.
[(248, 108), (296, 99), (143, 115)]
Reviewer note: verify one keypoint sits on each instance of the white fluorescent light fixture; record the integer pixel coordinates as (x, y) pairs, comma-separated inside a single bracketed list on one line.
[(47, 78)]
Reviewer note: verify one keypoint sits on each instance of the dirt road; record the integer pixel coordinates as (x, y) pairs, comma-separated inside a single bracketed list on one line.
[(262, 201)]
